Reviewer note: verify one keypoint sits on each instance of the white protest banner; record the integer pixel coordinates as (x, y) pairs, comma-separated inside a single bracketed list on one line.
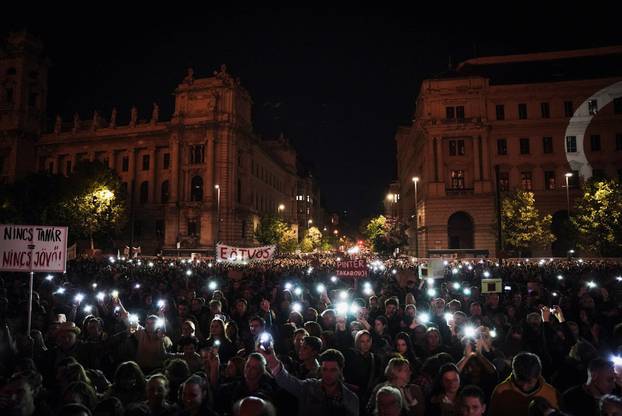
[(33, 248), (240, 254)]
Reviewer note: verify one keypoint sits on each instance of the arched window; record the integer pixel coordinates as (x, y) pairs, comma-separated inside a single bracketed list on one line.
[(144, 192), (164, 192), (196, 189)]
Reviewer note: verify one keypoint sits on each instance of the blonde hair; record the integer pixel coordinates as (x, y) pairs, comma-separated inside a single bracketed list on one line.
[(394, 365)]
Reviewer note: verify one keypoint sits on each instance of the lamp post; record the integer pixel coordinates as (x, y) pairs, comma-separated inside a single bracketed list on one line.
[(416, 181), (217, 187), (281, 208), (568, 175), (309, 223)]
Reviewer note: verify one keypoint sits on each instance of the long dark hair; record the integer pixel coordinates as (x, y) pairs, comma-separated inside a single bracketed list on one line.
[(410, 355)]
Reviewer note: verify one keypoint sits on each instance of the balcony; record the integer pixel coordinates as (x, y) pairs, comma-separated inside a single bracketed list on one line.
[(459, 191)]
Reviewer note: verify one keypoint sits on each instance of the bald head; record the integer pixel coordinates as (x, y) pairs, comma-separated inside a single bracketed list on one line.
[(253, 406)]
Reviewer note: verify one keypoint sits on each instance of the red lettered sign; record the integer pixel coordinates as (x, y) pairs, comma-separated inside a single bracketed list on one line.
[(352, 268)]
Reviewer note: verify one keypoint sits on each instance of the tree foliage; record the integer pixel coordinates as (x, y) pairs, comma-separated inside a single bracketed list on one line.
[(523, 227), (271, 230), (597, 218), (384, 238), (95, 206)]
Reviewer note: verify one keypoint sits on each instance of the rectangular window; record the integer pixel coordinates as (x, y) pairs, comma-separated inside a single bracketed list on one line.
[(138, 228), (145, 162), (617, 105), (618, 141), (502, 147), (522, 111), (549, 180), (595, 142), (9, 95), (193, 228), (592, 107), (524, 146), (500, 110), (125, 164), (457, 179), (504, 181), (32, 99), (167, 160), (568, 109), (197, 154), (159, 228), (460, 112), (68, 168), (545, 110), (571, 144), (51, 167), (526, 182), (450, 113), (456, 148), (547, 145)]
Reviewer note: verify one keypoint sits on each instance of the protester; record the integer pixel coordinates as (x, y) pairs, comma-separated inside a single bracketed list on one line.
[(393, 343)]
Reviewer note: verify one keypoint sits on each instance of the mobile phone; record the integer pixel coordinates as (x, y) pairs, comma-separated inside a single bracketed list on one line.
[(265, 341)]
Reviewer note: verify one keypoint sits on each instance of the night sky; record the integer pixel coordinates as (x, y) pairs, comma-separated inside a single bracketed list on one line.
[(336, 82)]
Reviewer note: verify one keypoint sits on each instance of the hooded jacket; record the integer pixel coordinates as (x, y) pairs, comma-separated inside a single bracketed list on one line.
[(509, 400)]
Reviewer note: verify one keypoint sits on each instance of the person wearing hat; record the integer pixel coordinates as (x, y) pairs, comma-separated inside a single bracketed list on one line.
[(67, 345)]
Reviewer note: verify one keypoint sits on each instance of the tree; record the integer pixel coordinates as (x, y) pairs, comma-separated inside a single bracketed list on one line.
[(94, 204), (384, 237), (523, 227), (271, 230), (288, 242), (374, 229), (598, 218), (315, 236)]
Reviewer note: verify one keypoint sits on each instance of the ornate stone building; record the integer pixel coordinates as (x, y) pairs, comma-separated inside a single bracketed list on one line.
[(202, 176), (506, 122)]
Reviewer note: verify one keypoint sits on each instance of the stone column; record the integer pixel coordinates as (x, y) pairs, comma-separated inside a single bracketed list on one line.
[(440, 158), (485, 158), (210, 162), (153, 176), (175, 168), (476, 159)]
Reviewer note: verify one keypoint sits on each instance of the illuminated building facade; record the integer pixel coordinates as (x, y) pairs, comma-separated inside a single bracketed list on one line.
[(521, 121), (200, 177)]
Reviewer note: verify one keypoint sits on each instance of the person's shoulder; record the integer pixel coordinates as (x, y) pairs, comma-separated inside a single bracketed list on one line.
[(504, 386)]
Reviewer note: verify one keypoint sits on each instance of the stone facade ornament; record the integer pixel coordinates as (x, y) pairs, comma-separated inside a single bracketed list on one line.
[(58, 125), (95, 124), (189, 79), (113, 118), (76, 122), (133, 116), (155, 114)]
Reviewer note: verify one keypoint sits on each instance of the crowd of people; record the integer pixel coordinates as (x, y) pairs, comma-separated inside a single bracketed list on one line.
[(156, 336)]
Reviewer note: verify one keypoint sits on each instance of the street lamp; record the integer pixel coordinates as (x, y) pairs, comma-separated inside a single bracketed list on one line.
[(568, 175), (309, 223), (217, 187), (416, 181)]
